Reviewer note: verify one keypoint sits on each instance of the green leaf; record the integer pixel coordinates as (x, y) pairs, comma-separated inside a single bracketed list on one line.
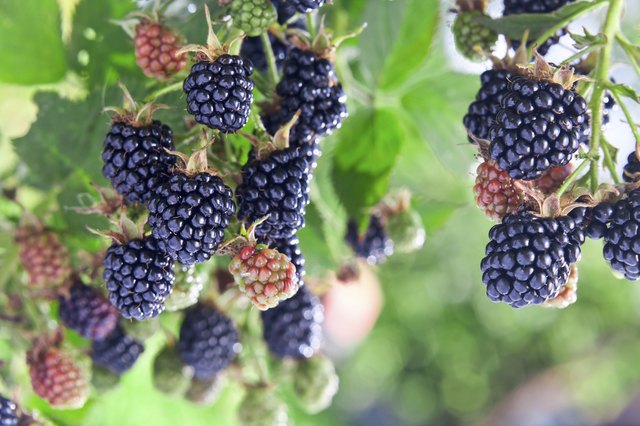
[(588, 39), (396, 40), (514, 26), (367, 150), (626, 91), (65, 142), (31, 42)]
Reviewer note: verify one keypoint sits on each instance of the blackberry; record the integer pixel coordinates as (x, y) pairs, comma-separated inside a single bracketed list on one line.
[(631, 171), (375, 245), (309, 84), (289, 7), (290, 247), (135, 160), (294, 327), (87, 312), (188, 216), (208, 341), (252, 50), (528, 259), (8, 412), (483, 110), (220, 93), (285, 10), (514, 7), (539, 126), (117, 352), (622, 238), (277, 186), (139, 277), (157, 48), (593, 220)]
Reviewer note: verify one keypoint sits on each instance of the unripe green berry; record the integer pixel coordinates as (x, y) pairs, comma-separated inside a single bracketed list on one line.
[(406, 231), (253, 16), (103, 380), (470, 36), (260, 407), (205, 392), (186, 289), (315, 383), (170, 375)]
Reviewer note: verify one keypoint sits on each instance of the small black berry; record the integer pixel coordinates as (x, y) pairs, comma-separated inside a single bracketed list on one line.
[(483, 110), (622, 238), (88, 312), (8, 412), (117, 352), (374, 245)]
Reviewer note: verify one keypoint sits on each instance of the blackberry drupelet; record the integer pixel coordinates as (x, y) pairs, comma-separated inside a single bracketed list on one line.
[(135, 160), (593, 220), (540, 125), (309, 84), (277, 186), (8, 412), (188, 215), (375, 245), (294, 327), (139, 277), (483, 110), (117, 352), (289, 7), (220, 93), (290, 247), (528, 259), (208, 341), (86, 311), (622, 238), (631, 172), (513, 7)]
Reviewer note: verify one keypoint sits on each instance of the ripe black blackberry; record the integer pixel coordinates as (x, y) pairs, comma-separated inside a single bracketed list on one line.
[(134, 151), (277, 186), (631, 172), (139, 277), (290, 247), (539, 125), (483, 110), (85, 310), (8, 412), (289, 7), (188, 215), (117, 352), (253, 51), (622, 238), (528, 258), (309, 84), (374, 245), (220, 92), (294, 327), (208, 341), (514, 7), (593, 220)]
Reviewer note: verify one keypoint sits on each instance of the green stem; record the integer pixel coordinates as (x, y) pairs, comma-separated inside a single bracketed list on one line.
[(166, 89), (579, 54), (611, 28), (311, 25), (271, 59), (608, 161), (572, 177)]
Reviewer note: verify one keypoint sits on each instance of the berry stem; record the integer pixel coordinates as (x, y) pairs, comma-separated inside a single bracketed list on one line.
[(311, 25), (580, 54), (166, 89), (611, 28), (572, 177), (608, 161), (271, 59)]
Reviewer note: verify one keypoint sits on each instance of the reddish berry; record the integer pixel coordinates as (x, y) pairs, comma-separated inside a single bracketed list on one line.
[(494, 191), (43, 256), (56, 378), (156, 50), (553, 178), (265, 275)]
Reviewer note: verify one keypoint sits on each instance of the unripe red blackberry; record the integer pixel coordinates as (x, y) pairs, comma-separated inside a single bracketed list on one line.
[(8, 412), (374, 245), (290, 247), (139, 277), (264, 275), (208, 341), (294, 327), (43, 256), (495, 192), (117, 352), (278, 187), (56, 378), (528, 258), (85, 310), (483, 110), (553, 178), (157, 50), (188, 215), (539, 126)]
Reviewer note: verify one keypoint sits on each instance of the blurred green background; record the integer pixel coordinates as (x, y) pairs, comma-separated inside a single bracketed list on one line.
[(440, 353)]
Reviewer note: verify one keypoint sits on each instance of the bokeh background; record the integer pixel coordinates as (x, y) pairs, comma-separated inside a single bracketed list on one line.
[(416, 340)]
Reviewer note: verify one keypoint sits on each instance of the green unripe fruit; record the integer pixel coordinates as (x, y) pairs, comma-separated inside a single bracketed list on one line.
[(253, 16), (471, 37), (205, 392), (406, 231), (103, 380), (186, 289), (260, 407), (315, 383), (170, 375)]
